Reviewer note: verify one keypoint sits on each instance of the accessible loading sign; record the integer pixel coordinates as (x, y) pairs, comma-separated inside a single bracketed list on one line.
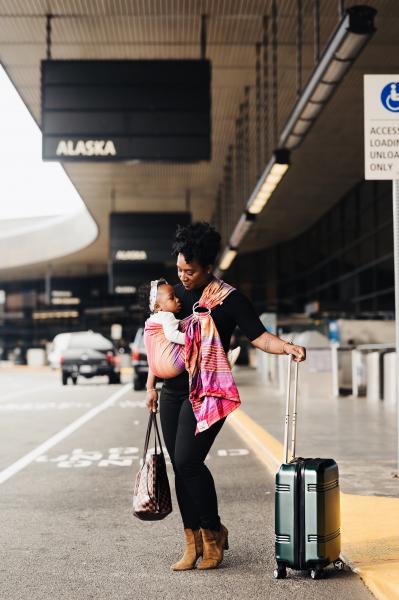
[(381, 126)]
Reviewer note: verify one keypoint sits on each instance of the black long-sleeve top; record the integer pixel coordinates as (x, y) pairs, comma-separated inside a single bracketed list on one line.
[(235, 310)]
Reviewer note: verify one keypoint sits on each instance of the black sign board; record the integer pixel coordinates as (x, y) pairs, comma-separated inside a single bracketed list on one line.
[(119, 110), (140, 246)]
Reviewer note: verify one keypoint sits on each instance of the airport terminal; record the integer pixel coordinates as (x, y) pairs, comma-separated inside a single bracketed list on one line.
[(153, 142)]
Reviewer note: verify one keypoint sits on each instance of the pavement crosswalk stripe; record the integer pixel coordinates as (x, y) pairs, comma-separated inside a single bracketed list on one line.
[(24, 461)]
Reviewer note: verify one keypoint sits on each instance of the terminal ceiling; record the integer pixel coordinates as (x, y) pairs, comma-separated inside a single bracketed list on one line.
[(327, 164)]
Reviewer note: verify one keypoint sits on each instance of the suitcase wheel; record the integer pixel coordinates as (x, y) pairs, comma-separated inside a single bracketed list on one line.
[(317, 573), (280, 572), (339, 565)]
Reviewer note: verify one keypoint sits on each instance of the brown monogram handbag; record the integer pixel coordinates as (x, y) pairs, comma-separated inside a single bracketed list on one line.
[(151, 496)]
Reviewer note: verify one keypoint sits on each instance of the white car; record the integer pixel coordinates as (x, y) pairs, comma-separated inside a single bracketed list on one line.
[(58, 345)]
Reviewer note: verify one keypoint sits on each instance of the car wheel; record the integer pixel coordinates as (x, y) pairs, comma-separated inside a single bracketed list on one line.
[(138, 383), (114, 378), (64, 378)]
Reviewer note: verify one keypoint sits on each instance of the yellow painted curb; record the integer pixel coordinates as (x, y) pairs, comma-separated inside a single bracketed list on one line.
[(370, 524)]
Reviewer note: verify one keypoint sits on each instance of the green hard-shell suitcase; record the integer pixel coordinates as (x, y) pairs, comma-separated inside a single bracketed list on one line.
[(307, 510)]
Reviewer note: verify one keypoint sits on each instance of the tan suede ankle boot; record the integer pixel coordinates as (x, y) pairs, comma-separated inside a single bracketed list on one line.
[(214, 543), (192, 551)]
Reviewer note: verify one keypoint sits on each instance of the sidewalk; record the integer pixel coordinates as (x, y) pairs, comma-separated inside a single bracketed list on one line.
[(361, 436)]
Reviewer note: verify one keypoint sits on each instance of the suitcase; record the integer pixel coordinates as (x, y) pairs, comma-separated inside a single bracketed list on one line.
[(307, 506)]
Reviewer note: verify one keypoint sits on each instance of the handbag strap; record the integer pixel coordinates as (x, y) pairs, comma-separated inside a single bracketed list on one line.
[(157, 435), (152, 420), (147, 436)]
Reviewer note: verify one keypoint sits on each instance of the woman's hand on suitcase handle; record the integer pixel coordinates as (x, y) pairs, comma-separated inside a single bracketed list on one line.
[(268, 342), (298, 352), (152, 400)]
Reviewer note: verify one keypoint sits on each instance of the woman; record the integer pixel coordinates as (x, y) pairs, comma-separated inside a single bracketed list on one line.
[(196, 248)]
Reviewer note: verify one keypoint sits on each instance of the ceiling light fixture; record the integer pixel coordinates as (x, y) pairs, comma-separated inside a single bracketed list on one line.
[(275, 170), (241, 229), (227, 258), (346, 43)]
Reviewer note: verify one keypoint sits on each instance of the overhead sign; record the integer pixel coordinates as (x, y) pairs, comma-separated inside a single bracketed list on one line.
[(140, 246), (119, 110), (381, 126), (144, 237)]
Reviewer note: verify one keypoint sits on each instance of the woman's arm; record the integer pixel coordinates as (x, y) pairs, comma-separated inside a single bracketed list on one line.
[(152, 394), (268, 342), (248, 321)]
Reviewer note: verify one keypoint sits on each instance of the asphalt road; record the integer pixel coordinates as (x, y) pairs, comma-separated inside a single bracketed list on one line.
[(67, 530)]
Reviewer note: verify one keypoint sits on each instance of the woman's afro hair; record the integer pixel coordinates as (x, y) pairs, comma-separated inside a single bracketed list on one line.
[(198, 241)]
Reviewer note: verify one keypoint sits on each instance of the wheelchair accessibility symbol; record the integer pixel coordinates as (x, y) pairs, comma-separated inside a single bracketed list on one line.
[(390, 97)]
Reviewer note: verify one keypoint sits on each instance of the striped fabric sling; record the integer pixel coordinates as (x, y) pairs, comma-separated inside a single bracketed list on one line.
[(213, 392)]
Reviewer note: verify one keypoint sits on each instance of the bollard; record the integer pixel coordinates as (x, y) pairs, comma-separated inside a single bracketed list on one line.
[(373, 378), (390, 378)]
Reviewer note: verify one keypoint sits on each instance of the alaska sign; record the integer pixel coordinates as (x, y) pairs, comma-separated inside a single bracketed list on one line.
[(121, 110), (86, 148)]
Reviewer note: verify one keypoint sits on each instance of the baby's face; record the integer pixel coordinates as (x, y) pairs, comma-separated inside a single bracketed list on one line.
[(166, 299)]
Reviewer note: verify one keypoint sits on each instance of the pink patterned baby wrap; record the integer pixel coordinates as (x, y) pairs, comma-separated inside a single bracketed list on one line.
[(166, 359), (213, 392)]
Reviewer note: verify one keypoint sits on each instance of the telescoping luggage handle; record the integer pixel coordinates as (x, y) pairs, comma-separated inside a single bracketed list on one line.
[(287, 410)]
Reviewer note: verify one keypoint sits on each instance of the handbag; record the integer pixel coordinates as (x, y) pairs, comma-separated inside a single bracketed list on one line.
[(151, 497)]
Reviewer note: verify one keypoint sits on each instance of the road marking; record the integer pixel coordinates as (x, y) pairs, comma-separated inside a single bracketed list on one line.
[(121, 457), (233, 452), (61, 435), (132, 404), (118, 457), (26, 390), (40, 406)]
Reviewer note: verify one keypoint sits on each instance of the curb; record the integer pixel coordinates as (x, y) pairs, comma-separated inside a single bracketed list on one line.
[(369, 544)]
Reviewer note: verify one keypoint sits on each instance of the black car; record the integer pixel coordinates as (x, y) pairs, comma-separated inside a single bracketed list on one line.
[(89, 354), (139, 361)]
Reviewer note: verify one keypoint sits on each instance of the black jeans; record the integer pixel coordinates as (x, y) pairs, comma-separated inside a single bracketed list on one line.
[(195, 488)]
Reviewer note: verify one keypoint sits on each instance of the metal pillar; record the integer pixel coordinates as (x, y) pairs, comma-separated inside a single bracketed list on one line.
[(395, 205), (334, 369), (316, 22), (48, 36), (47, 284), (299, 43), (275, 72), (257, 110)]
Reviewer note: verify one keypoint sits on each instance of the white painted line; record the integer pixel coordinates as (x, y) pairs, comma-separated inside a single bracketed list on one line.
[(61, 435), (25, 391)]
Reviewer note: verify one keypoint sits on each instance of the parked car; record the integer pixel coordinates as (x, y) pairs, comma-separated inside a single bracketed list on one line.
[(139, 361), (89, 354), (58, 345)]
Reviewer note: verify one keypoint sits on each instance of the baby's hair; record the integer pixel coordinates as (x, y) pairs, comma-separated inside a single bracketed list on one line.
[(144, 296), (154, 292)]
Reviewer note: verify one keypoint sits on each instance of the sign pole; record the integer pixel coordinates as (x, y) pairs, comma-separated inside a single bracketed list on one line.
[(395, 205)]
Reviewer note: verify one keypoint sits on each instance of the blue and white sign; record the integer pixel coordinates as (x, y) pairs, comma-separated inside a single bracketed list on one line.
[(381, 126), (390, 96)]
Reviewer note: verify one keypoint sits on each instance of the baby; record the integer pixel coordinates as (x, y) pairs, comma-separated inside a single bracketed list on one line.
[(163, 305)]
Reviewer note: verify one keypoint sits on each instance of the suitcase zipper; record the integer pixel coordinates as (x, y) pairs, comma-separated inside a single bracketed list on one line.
[(302, 516), (297, 514)]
